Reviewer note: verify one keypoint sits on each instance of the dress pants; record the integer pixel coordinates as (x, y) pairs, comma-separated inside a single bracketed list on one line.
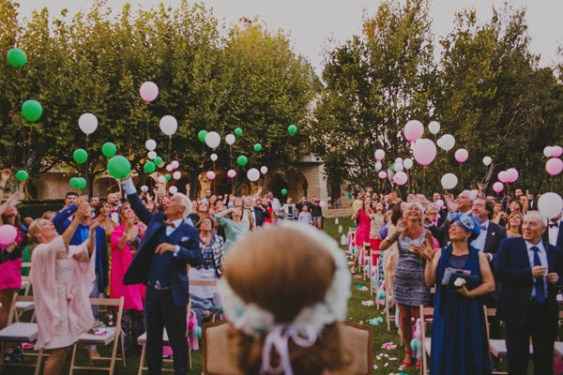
[(542, 329), (161, 312)]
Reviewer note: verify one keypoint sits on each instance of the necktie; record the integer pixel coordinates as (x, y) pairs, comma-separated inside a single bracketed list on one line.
[(483, 227), (538, 283)]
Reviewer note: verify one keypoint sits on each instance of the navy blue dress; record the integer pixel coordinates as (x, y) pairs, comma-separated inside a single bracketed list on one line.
[(459, 339)]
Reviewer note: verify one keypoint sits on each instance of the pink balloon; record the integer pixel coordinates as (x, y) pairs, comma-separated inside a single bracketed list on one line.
[(210, 175), (461, 155), (382, 175), (512, 174), (498, 187), (231, 173), (8, 234), (556, 151), (424, 151), (413, 130), (149, 91), (503, 177), (400, 178), (554, 166), (379, 154)]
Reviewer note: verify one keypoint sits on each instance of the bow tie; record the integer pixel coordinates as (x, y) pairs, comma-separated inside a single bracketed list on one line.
[(170, 223), (553, 225), (484, 227)]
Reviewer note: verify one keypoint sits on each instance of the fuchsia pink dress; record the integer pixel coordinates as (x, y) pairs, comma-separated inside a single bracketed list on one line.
[(11, 266), (363, 229), (134, 295)]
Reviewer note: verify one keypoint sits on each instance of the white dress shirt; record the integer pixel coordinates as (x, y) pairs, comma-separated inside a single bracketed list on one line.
[(553, 233), (479, 242), (543, 260)]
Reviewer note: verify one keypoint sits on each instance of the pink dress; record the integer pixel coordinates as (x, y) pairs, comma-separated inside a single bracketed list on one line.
[(134, 295), (10, 270), (363, 229)]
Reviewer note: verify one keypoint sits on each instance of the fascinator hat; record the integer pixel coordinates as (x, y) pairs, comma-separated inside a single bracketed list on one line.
[(468, 222)]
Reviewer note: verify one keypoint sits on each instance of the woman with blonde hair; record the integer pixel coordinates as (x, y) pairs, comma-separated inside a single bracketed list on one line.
[(285, 292), (514, 225)]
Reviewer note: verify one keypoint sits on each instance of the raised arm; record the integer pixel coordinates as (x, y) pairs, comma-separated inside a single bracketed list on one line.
[(137, 204), (82, 211)]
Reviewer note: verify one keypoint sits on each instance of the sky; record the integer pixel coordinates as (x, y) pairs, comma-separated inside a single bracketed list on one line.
[(315, 25)]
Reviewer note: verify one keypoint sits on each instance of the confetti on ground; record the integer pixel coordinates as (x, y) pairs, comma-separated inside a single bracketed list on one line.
[(362, 288), (368, 303), (389, 346)]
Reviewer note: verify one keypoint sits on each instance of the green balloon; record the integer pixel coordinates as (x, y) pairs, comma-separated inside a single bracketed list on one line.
[(201, 135), (78, 183), (168, 178), (238, 132), (159, 162), (119, 167), (292, 129), (284, 192), (109, 149), (22, 175), (32, 110), (242, 160), (149, 167), (16, 58), (80, 156), (257, 147)]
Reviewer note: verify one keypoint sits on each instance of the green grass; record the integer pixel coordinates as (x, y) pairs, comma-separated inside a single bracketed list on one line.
[(357, 313)]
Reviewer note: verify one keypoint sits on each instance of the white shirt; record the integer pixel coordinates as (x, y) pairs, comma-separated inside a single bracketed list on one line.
[(479, 242), (543, 260), (170, 229), (553, 233)]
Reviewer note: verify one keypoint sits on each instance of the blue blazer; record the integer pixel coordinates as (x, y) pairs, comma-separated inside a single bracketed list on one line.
[(185, 236), (514, 272)]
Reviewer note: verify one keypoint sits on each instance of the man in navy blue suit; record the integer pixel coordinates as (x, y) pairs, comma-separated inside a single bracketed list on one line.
[(529, 269), (554, 232), (170, 243)]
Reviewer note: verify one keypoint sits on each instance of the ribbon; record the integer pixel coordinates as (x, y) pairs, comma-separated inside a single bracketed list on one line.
[(278, 340)]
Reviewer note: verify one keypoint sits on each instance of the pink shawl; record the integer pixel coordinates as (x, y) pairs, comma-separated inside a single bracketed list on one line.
[(47, 305)]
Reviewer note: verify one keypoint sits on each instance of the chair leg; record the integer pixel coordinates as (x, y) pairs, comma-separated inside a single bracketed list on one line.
[(142, 360), (73, 359), (39, 362), (113, 355), (123, 354)]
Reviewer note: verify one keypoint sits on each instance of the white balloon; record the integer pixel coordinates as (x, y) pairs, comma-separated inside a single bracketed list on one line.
[(88, 123), (231, 173), (230, 139), (213, 140), (446, 142), (175, 164), (379, 154), (144, 188), (253, 174), (263, 169), (398, 167), (487, 160), (547, 151), (434, 127), (378, 166), (150, 145), (162, 179), (173, 190), (399, 161), (168, 125), (177, 175), (449, 181), (408, 164), (214, 157), (550, 205), (152, 155)]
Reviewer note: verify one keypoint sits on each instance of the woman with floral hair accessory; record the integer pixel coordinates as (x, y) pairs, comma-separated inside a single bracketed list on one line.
[(285, 291), (461, 274)]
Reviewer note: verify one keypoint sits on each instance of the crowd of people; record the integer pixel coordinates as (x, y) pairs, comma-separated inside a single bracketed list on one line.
[(459, 255)]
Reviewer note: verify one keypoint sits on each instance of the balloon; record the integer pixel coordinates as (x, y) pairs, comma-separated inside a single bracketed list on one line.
[(292, 129), (446, 142), (449, 181), (503, 177), (231, 173), (149, 167), (175, 164), (408, 164), (379, 154), (170, 167), (556, 151), (80, 156), (398, 166), (498, 187), (512, 174), (177, 175), (547, 151), (213, 140), (168, 125), (382, 175), (159, 162), (210, 175), (78, 183), (162, 179), (434, 127), (32, 110), (550, 205), (378, 166), (487, 160), (22, 175), (238, 132), (399, 161), (150, 145), (167, 178), (230, 139), (172, 190), (149, 91), (109, 149), (413, 130), (400, 178), (144, 188), (88, 123), (257, 147), (213, 157), (8, 235), (242, 160), (284, 192), (554, 166), (424, 151), (461, 155), (119, 167), (152, 155), (263, 169), (253, 174), (16, 58), (202, 135)]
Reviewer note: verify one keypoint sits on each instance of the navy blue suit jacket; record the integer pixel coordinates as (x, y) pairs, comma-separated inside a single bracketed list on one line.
[(513, 271), (185, 236)]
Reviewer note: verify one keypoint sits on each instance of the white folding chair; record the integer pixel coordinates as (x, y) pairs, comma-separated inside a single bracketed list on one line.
[(426, 315)]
